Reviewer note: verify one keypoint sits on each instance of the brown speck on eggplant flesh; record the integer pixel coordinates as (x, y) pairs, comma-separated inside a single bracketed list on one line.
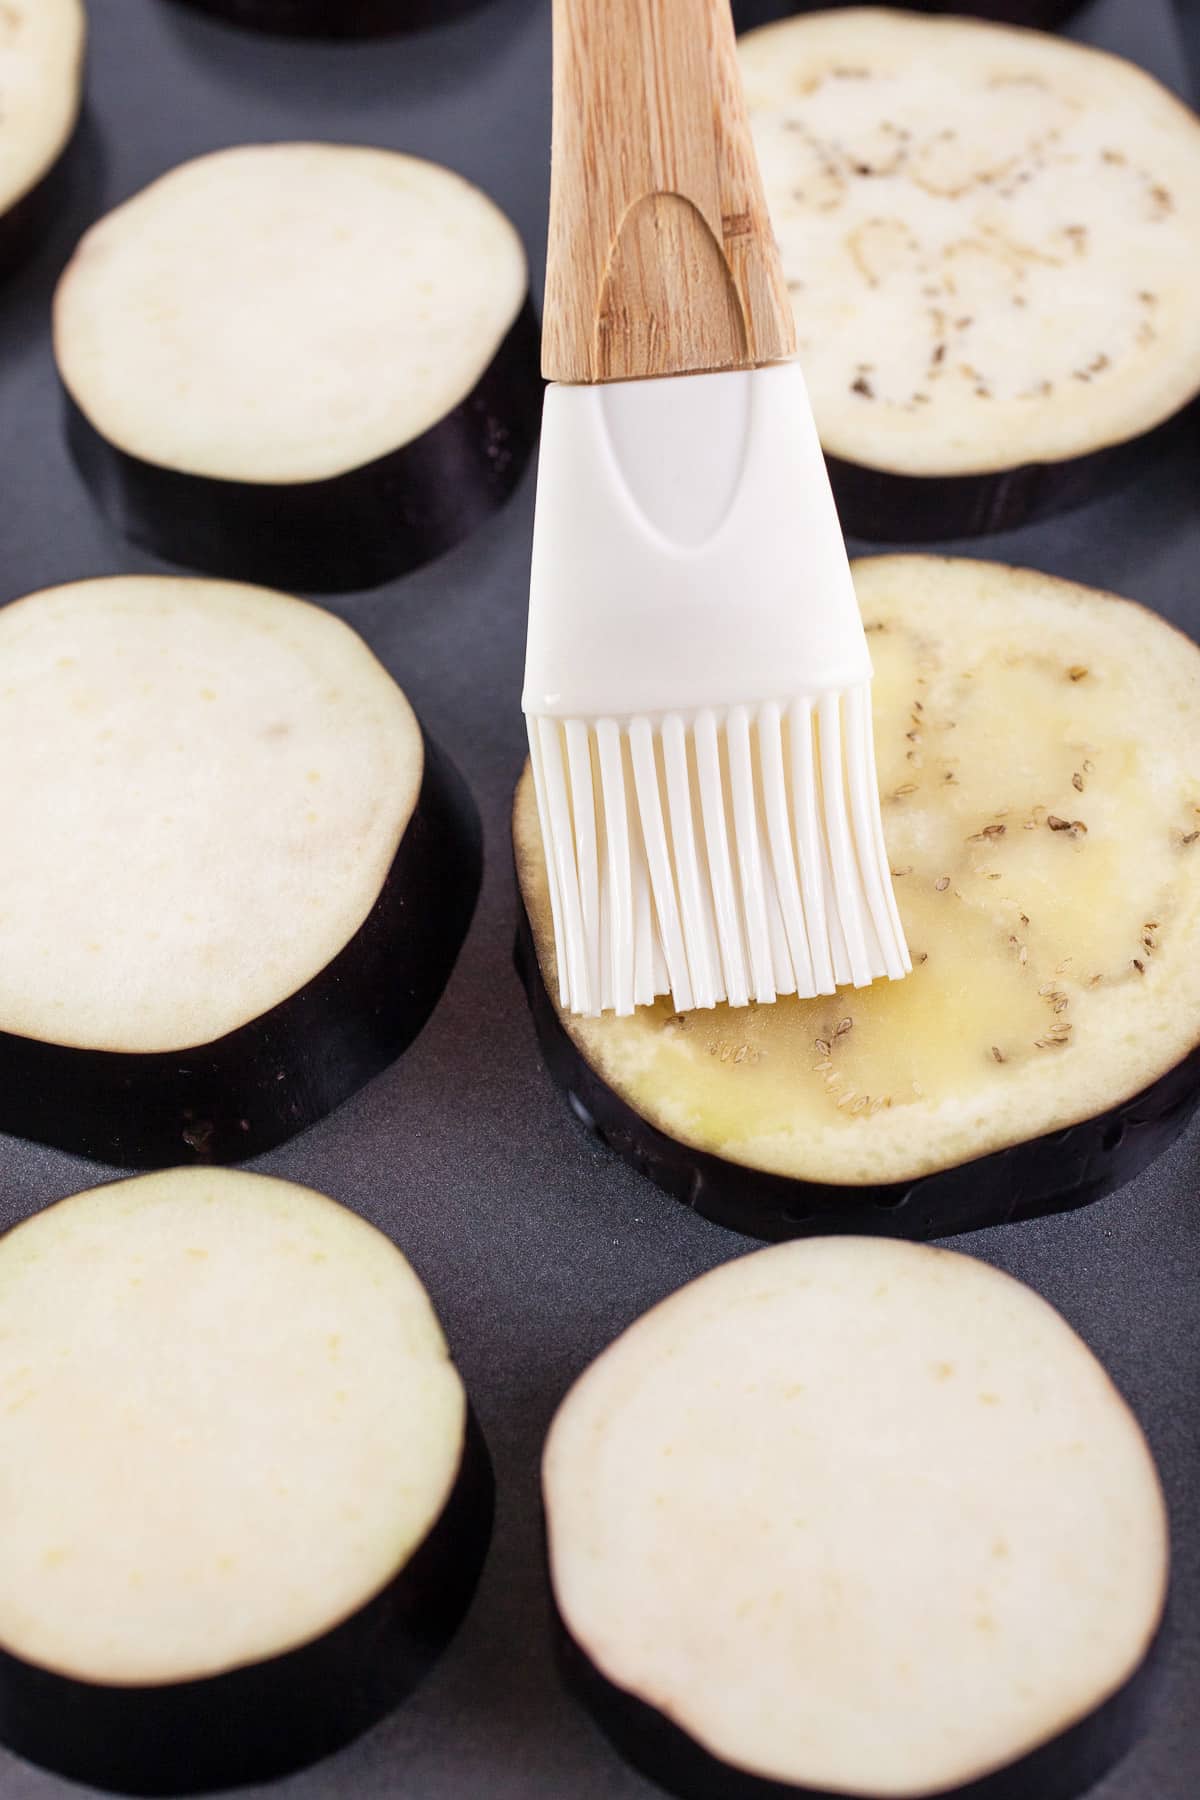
[(852, 205)]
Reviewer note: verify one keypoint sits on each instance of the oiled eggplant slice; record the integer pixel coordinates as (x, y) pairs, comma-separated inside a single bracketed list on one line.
[(857, 1518), (310, 365), (335, 18), (1038, 761), (987, 232), (246, 1500), (41, 87), (236, 875)]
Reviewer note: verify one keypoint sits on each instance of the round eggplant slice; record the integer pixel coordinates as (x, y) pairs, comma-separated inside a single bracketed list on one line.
[(335, 18), (1039, 760), (235, 877), (988, 234), (304, 364), (41, 90), (245, 1503), (857, 1518)]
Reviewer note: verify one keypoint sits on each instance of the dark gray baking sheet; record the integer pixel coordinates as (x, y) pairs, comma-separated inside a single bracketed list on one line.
[(536, 1245)]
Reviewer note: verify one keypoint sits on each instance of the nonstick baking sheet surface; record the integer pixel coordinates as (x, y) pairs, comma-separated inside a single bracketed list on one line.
[(537, 1245)]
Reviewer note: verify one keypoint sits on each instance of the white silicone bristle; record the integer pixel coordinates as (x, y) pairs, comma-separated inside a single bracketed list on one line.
[(716, 856)]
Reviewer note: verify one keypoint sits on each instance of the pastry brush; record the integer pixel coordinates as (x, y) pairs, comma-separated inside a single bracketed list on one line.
[(697, 682)]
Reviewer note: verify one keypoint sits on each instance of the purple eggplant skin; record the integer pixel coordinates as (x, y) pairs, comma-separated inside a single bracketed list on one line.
[(351, 531), (883, 507), (334, 18), (1050, 1174), (1044, 15), (26, 223), (256, 1087), (1062, 1769), (266, 1719)]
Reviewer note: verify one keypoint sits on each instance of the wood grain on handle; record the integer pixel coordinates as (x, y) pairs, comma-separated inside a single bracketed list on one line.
[(661, 256)]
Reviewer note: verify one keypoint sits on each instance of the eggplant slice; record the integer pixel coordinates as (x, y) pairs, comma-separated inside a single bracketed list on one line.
[(310, 365), (1039, 761), (42, 44), (245, 1502), (857, 1518), (335, 18), (236, 875), (989, 235)]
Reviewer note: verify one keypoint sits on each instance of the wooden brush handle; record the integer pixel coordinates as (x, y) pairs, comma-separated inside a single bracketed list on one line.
[(661, 256)]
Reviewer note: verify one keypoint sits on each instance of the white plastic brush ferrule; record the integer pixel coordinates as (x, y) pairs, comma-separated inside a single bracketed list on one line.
[(698, 695), (687, 551)]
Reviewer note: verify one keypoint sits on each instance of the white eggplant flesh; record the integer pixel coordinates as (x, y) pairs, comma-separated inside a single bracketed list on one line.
[(856, 1517)]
